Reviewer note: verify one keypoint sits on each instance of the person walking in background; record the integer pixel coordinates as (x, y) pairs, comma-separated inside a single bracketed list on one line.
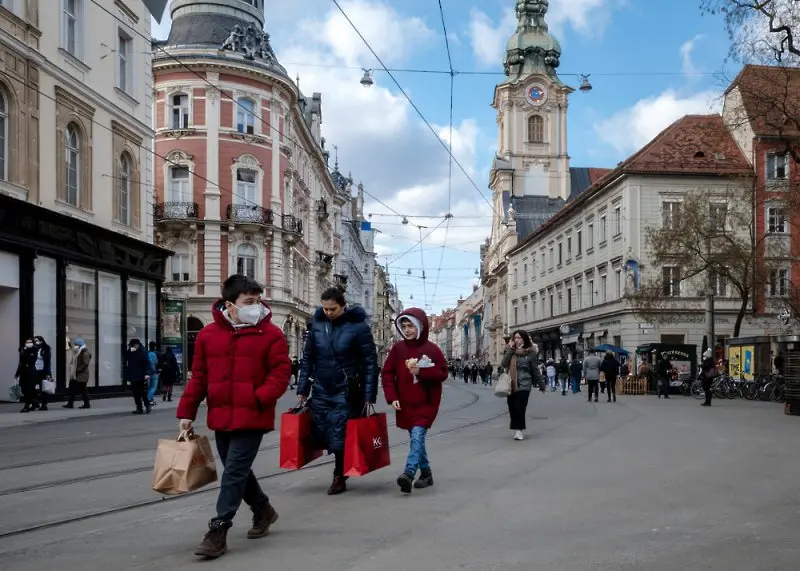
[(412, 382), (610, 368), (340, 364), (591, 372), (170, 374), (487, 372), (134, 372), (519, 360), (241, 367), (575, 372), (664, 369), (295, 372), (562, 370), (27, 375), (551, 374), (43, 362), (153, 369), (709, 371), (79, 373)]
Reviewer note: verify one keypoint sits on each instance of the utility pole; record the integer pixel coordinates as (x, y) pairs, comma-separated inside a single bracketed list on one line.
[(712, 342)]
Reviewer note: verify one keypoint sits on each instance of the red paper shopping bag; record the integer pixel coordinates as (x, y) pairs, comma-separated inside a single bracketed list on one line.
[(366, 445), (297, 445)]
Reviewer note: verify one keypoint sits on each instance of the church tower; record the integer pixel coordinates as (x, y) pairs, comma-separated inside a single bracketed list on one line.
[(531, 107)]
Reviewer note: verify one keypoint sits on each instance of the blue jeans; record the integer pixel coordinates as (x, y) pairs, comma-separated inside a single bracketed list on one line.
[(576, 384), (417, 455), (237, 451), (151, 391)]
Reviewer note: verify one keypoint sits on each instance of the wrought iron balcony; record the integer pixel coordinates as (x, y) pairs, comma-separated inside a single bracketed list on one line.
[(322, 209), (249, 214), (290, 223), (175, 211), (324, 259), (340, 280)]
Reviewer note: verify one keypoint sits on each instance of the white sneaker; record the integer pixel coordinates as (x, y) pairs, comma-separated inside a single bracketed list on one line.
[(518, 435)]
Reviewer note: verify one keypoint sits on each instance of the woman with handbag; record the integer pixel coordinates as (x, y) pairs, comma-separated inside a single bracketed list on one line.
[(340, 364), (43, 359), (519, 361), (27, 375)]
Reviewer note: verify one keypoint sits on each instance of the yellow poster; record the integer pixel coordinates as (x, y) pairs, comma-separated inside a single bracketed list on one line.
[(747, 359), (734, 362)]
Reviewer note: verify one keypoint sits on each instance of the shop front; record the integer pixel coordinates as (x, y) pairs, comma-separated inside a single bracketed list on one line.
[(572, 345), (63, 278)]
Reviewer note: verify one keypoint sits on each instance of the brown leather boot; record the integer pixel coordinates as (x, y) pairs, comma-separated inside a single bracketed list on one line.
[(215, 543), (338, 486), (264, 515)]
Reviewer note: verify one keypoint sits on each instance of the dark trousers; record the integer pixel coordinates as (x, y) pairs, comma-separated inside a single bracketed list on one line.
[(707, 388), (517, 405), (611, 384), (338, 465), (237, 451), (76, 388), (28, 387), (663, 387), (594, 388), (139, 390)]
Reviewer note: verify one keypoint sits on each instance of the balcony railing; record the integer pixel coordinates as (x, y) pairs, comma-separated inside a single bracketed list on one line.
[(249, 214), (325, 259), (340, 280), (292, 224), (175, 211), (322, 209)]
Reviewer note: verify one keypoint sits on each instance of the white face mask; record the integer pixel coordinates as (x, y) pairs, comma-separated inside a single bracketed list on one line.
[(133, 349), (249, 314), (28, 345)]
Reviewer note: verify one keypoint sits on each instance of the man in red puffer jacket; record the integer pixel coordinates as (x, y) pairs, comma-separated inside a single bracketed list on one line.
[(241, 366)]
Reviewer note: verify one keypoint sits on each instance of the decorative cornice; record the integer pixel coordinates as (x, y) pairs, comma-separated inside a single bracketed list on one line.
[(119, 129), (127, 11), (78, 105)]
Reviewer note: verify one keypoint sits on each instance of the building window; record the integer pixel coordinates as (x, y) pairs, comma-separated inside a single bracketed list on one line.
[(560, 253), (179, 190), (603, 229), (246, 187), (124, 186), (536, 129), (246, 115), (524, 273), (718, 216), (180, 111), (779, 283), (669, 214), (591, 293), (589, 235), (552, 257), (179, 263), (618, 290), (777, 166), (124, 63), (544, 264), (3, 136), (671, 281), (552, 306), (71, 23), (603, 288), (580, 296), (776, 219), (616, 220), (516, 277), (516, 315), (578, 242), (569, 300), (718, 283), (246, 255), (569, 247), (72, 162)]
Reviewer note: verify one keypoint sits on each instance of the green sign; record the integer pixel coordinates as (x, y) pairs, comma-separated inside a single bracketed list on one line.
[(172, 320)]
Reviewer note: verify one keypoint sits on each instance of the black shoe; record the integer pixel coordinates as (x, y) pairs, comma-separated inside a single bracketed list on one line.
[(147, 409), (43, 407), (138, 411), (26, 409), (215, 543), (595, 400), (705, 404), (615, 398), (169, 398), (264, 515), (87, 405), (338, 486), (69, 405), (425, 480), (405, 481)]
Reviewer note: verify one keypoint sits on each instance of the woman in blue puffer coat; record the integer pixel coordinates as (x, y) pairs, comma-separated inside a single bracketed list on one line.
[(341, 365)]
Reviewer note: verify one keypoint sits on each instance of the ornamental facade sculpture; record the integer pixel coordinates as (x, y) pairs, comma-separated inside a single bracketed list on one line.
[(252, 42)]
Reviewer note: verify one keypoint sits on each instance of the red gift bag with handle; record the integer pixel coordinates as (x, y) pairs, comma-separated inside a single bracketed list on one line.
[(366, 444), (296, 444)]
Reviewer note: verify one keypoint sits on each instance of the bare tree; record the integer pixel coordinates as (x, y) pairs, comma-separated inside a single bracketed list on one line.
[(708, 240)]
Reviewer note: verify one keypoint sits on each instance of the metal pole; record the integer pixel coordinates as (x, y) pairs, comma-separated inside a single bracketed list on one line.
[(710, 321)]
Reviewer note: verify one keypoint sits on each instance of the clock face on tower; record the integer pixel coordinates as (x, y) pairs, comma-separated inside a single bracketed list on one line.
[(536, 95)]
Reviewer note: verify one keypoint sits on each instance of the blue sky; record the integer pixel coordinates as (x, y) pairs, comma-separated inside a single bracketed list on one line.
[(650, 62)]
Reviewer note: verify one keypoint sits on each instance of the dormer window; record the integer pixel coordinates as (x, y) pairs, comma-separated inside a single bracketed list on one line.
[(777, 166)]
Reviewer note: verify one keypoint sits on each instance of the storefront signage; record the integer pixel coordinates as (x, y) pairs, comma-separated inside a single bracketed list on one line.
[(692, 319), (173, 328), (609, 322)]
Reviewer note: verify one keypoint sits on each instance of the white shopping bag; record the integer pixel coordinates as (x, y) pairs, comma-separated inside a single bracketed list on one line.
[(49, 387)]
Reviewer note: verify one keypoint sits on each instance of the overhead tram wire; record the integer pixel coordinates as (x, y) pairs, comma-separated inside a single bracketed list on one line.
[(415, 107), (419, 243)]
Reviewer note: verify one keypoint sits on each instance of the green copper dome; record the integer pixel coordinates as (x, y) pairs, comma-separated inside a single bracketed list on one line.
[(532, 49)]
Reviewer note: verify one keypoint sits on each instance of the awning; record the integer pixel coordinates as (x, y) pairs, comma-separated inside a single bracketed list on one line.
[(612, 348), (567, 339)]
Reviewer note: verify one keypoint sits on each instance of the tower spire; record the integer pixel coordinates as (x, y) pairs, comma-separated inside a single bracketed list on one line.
[(532, 49)]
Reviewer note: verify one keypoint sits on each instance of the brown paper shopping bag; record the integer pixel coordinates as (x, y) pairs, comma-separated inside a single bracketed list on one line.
[(183, 465)]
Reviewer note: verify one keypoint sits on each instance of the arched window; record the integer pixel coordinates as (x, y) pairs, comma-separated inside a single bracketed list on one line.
[(245, 115), (124, 189), (246, 187), (3, 136), (179, 263), (536, 129), (72, 164), (179, 190), (180, 111), (246, 260)]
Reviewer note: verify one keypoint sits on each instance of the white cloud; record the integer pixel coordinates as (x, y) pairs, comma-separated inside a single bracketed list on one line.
[(630, 129), (489, 38), (686, 49)]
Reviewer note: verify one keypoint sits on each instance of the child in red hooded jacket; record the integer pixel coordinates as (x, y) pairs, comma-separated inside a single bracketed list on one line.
[(412, 382)]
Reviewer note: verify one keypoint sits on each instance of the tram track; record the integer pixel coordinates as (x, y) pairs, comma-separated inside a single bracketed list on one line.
[(475, 397)]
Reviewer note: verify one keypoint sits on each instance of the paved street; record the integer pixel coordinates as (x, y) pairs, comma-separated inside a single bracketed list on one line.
[(643, 484)]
